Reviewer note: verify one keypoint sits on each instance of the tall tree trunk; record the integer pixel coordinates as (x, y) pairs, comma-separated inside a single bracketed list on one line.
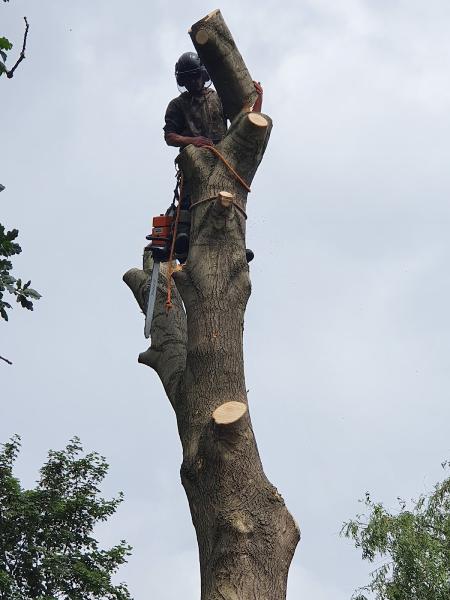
[(246, 536)]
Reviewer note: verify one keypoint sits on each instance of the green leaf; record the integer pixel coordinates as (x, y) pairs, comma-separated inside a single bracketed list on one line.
[(5, 44), (8, 248), (24, 302), (32, 293)]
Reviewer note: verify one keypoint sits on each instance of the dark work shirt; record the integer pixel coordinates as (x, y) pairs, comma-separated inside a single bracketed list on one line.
[(193, 116)]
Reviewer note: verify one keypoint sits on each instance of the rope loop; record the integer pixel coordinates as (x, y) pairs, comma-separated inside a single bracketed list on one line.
[(235, 204)]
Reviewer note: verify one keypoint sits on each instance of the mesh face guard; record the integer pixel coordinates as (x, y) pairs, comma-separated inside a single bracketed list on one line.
[(189, 75)]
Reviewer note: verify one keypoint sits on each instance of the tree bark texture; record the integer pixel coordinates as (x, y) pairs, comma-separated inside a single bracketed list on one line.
[(246, 535)]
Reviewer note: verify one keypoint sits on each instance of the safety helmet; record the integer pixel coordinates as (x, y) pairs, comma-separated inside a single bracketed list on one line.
[(189, 66)]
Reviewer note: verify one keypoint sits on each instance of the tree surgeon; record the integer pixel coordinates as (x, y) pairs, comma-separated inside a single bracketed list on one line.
[(196, 117)]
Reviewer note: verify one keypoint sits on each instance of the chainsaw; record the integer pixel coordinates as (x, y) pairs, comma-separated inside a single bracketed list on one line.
[(176, 223)]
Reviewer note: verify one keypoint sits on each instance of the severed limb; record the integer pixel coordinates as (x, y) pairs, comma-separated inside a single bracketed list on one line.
[(218, 52)]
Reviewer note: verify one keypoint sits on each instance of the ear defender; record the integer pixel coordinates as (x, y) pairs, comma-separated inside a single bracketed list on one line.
[(205, 74)]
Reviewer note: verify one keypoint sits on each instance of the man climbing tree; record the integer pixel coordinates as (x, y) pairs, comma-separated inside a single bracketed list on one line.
[(196, 116), (245, 534)]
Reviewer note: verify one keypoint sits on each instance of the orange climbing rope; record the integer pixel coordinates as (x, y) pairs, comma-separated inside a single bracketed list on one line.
[(214, 150)]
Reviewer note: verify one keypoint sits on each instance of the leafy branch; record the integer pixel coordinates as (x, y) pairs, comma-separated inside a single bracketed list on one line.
[(413, 543), (23, 292), (5, 46)]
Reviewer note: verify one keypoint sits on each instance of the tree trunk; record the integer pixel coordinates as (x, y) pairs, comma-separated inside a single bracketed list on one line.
[(245, 534)]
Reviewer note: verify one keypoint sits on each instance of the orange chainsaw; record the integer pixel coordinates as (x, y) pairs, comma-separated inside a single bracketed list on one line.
[(160, 244)]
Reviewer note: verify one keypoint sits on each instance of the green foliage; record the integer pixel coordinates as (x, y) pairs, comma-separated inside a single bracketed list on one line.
[(413, 547), (23, 292), (5, 44), (47, 550)]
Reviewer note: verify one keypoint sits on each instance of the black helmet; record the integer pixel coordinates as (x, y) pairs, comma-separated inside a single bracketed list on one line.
[(189, 66)]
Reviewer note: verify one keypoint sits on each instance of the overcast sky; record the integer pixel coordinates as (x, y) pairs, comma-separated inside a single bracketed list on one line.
[(347, 332)]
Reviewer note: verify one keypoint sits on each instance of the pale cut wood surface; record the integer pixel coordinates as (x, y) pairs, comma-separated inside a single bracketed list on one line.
[(230, 412)]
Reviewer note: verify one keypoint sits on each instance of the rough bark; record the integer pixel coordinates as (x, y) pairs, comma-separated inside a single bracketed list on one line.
[(167, 353), (246, 536)]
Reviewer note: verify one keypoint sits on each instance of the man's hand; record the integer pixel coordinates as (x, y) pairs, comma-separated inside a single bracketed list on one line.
[(200, 141), (258, 88), (257, 107), (173, 139)]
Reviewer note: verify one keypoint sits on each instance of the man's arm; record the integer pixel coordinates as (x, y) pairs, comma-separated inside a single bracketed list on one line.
[(175, 123), (174, 139), (257, 107)]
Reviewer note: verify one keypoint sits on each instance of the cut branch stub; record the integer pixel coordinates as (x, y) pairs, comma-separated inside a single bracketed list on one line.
[(225, 199), (229, 413), (218, 52), (222, 207), (231, 419)]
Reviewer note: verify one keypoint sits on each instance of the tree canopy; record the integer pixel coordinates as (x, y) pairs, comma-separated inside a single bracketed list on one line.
[(47, 548), (412, 545)]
